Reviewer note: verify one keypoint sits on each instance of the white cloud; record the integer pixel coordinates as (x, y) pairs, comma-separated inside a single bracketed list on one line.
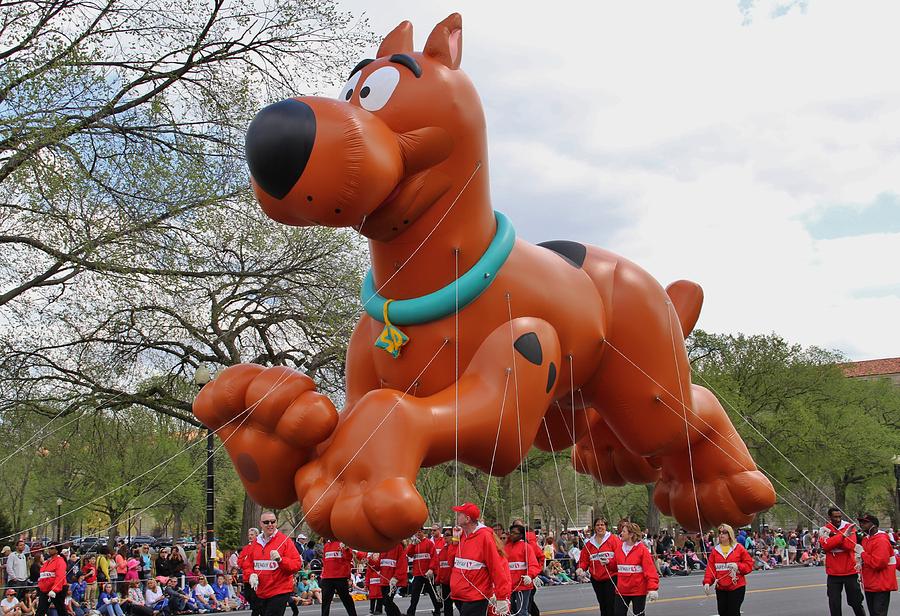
[(697, 146)]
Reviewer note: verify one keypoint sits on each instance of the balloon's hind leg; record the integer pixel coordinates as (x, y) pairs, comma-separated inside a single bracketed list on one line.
[(729, 488)]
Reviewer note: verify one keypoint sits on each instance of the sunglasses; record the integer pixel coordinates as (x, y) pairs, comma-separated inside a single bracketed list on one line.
[(267, 522)]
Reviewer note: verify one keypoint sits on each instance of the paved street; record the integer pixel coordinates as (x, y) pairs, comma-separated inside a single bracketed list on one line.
[(796, 591)]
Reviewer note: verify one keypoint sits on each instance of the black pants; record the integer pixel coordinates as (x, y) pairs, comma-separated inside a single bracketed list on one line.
[(850, 583), (637, 605), (448, 602), (419, 583), (472, 608), (340, 586), (878, 603), (729, 601), (44, 601), (387, 597), (250, 596), (273, 606), (533, 609), (376, 606), (606, 595)]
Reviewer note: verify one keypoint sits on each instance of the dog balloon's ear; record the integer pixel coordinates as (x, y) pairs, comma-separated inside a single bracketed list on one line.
[(399, 40), (445, 42)]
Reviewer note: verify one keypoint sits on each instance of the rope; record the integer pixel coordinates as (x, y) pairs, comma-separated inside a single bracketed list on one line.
[(487, 488), (599, 474), (562, 496), (755, 429), (687, 435), (713, 428), (572, 393), (522, 458), (456, 384), (555, 465)]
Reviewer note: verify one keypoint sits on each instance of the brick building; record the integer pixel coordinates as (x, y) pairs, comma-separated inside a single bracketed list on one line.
[(874, 369)]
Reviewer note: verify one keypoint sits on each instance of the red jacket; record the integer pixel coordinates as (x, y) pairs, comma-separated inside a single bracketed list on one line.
[(596, 550), (245, 562), (275, 578), (422, 555), (479, 570), (521, 563), (337, 560), (879, 564), (441, 564), (636, 571), (394, 565), (372, 573), (53, 575), (531, 538), (716, 567), (840, 556)]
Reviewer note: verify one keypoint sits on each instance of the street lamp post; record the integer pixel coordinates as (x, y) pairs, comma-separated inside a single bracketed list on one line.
[(58, 521), (201, 378)]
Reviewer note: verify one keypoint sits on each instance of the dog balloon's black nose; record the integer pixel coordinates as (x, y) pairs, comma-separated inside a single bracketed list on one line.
[(278, 144)]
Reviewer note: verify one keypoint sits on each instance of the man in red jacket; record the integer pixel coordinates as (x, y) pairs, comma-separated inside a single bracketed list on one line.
[(245, 562), (393, 572), (52, 583), (838, 541), (275, 561), (421, 553), (480, 572), (437, 537), (443, 567), (337, 561), (878, 565)]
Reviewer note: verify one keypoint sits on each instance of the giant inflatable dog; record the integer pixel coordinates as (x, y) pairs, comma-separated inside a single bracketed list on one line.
[(471, 337)]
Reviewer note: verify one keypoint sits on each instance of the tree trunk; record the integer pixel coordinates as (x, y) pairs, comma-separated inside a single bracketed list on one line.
[(250, 516), (840, 493), (176, 524), (652, 512)]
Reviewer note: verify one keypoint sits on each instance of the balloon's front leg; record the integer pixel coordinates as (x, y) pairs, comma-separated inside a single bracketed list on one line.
[(362, 491)]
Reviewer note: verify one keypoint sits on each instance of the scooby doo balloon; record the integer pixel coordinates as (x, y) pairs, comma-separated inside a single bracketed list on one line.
[(469, 335)]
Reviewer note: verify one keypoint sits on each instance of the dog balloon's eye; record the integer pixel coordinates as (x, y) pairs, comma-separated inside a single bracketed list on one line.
[(349, 87), (378, 88)]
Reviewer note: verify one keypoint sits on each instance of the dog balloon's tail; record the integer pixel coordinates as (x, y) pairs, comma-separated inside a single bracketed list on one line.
[(687, 297)]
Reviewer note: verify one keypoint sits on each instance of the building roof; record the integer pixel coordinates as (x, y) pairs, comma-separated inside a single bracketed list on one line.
[(872, 367)]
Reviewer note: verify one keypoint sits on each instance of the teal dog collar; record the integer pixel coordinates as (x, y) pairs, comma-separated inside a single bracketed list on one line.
[(442, 303)]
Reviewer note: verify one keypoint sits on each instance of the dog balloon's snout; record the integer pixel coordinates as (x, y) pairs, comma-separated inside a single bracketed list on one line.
[(278, 145)]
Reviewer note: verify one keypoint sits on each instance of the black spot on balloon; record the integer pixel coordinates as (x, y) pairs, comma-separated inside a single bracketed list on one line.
[(551, 377), (573, 252), (247, 467), (529, 347)]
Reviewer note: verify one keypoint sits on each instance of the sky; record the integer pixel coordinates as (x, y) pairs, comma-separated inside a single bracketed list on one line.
[(750, 146)]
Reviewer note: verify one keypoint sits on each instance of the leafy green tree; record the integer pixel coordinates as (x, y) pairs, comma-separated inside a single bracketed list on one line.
[(821, 437)]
